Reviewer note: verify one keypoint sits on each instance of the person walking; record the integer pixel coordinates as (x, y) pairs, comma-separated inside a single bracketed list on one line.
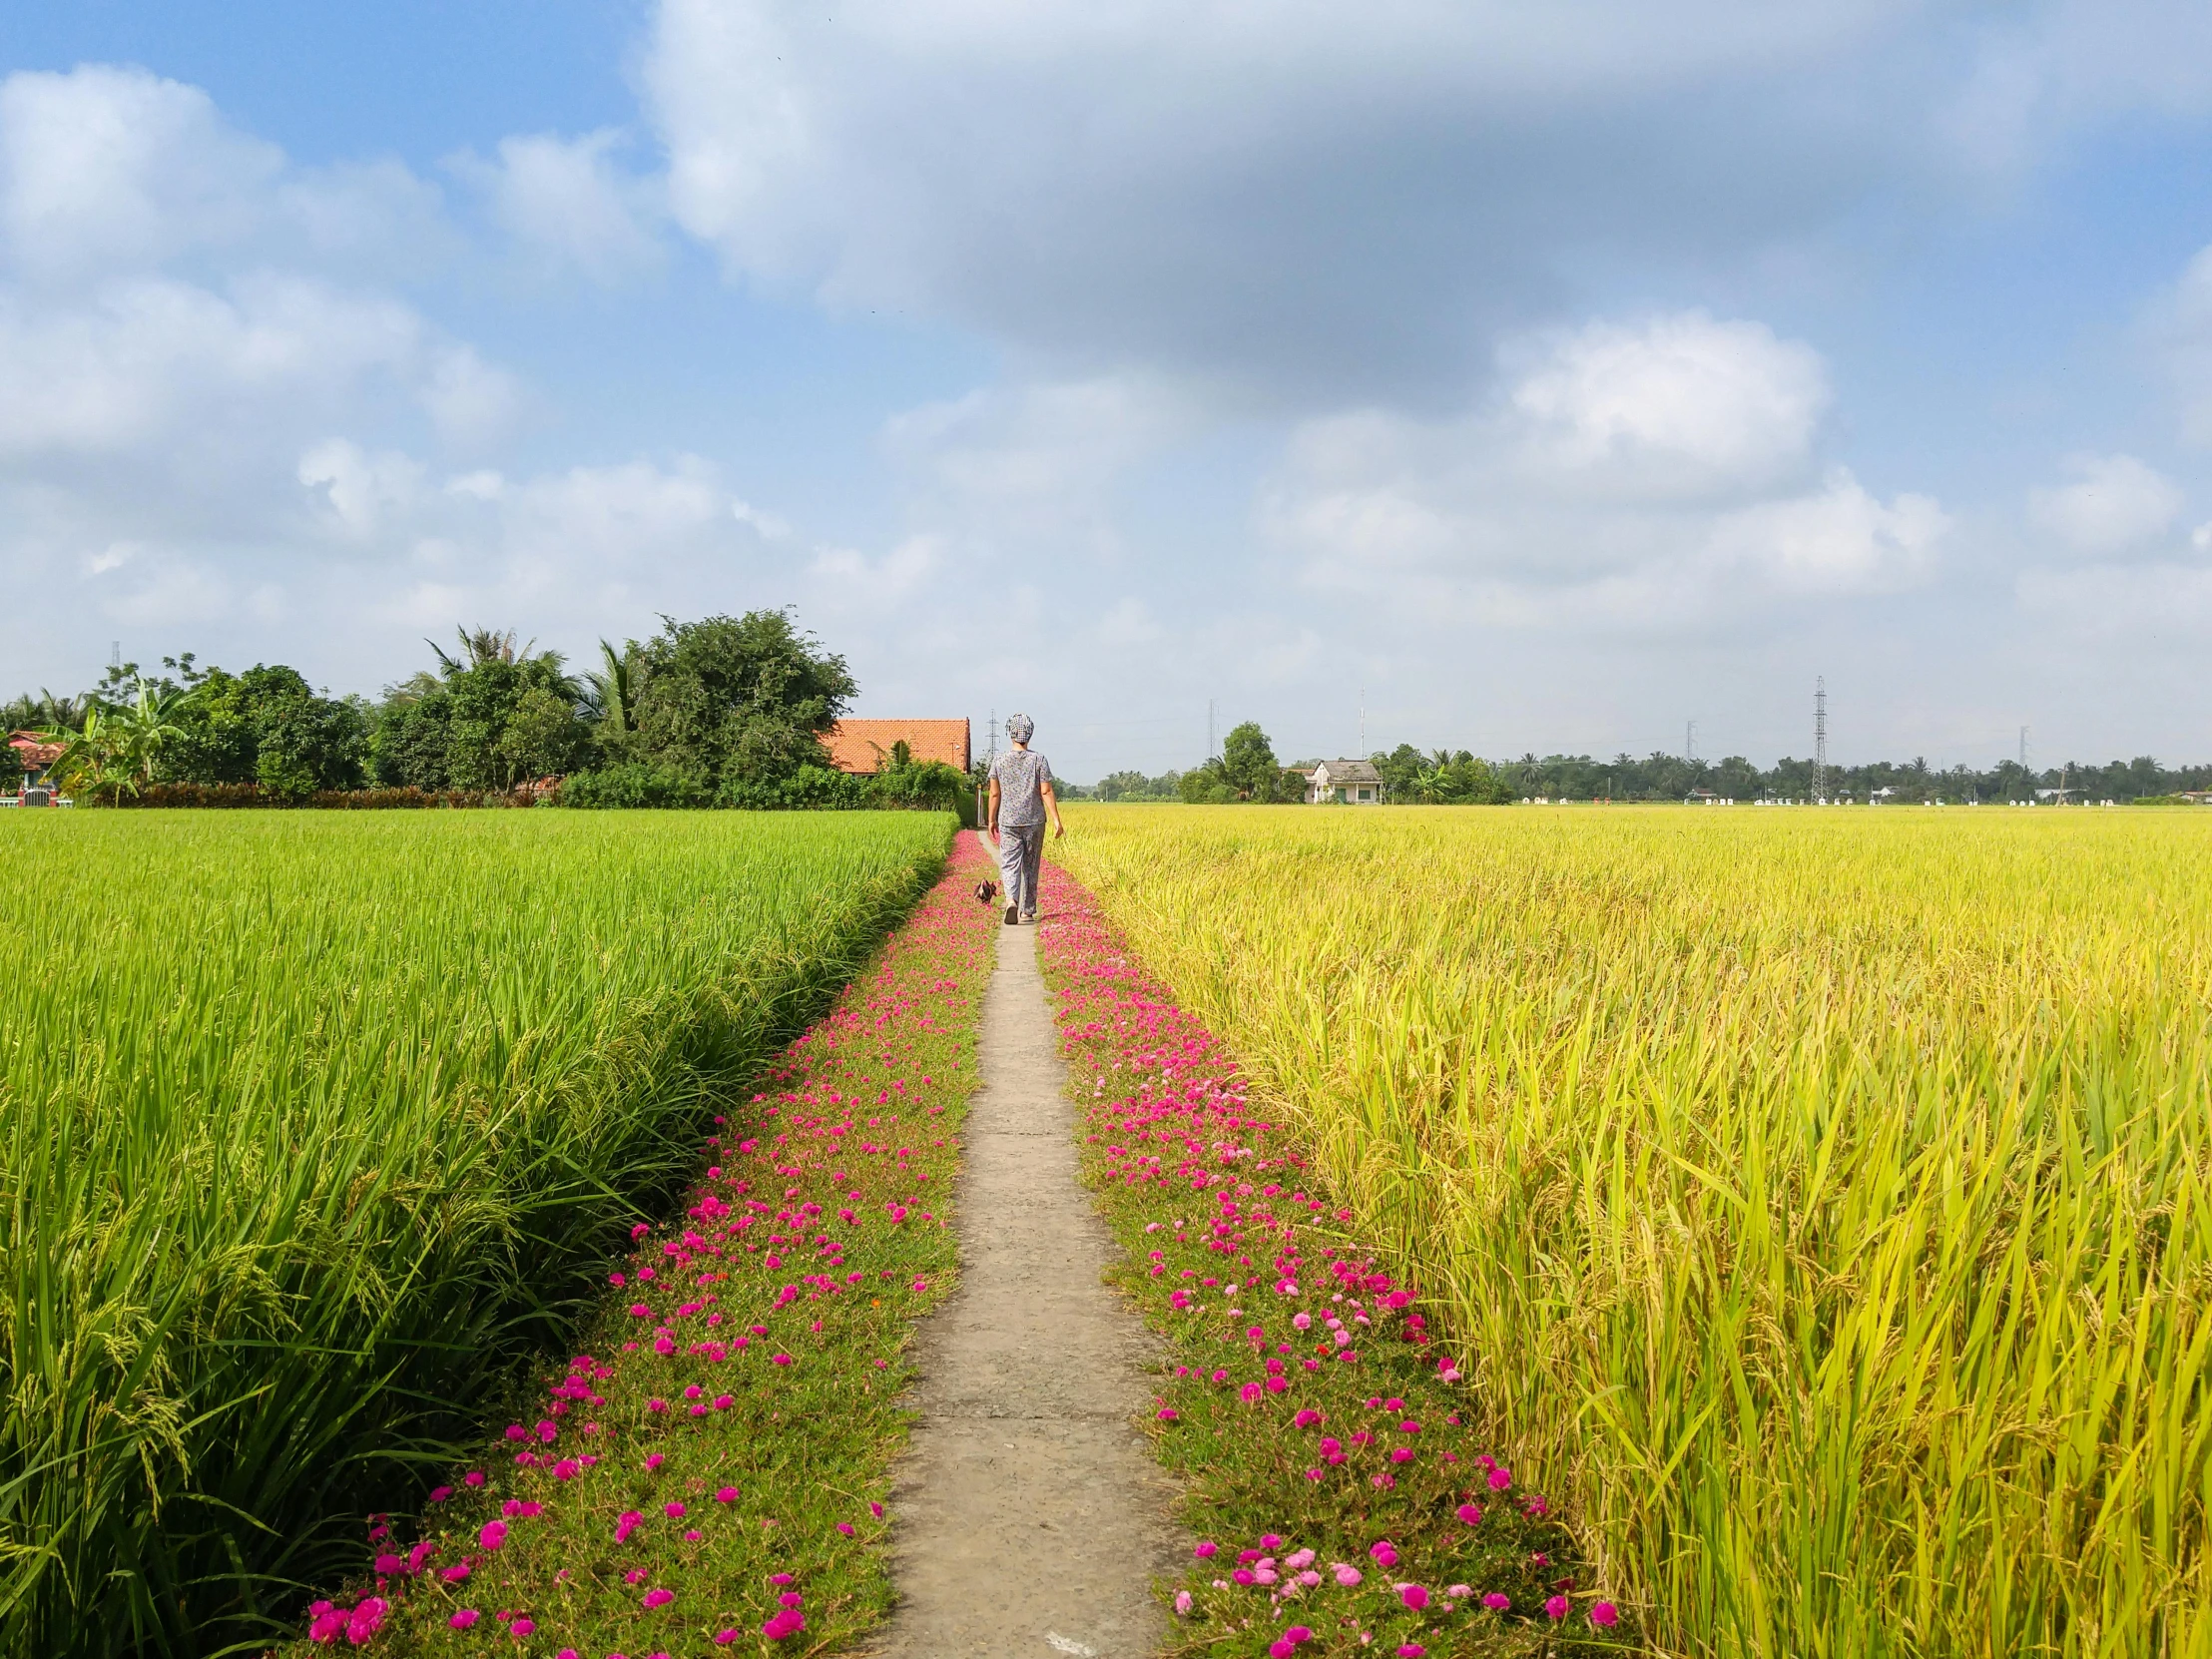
[(1021, 796)]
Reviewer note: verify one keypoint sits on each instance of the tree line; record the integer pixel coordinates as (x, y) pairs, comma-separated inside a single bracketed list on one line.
[(721, 712), (1246, 770)]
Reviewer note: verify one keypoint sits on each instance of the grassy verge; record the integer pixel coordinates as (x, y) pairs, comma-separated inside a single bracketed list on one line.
[(1313, 1411), (708, 1475)]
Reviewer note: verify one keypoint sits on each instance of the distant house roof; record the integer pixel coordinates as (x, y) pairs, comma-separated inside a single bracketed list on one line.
[(1350, 771), (865, 746), (34, 751)]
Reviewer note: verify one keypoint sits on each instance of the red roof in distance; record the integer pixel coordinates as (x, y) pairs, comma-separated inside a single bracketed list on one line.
[(865, 746)]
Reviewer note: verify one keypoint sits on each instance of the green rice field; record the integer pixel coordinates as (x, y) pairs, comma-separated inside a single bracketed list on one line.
[(314, 1124)]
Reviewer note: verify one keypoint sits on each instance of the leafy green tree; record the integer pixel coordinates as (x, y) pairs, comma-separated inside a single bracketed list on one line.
[(733, 703), (1248, 764), (493, 716)]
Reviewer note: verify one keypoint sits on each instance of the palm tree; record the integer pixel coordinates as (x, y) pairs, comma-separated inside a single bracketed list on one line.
[(607, 691), (478, 647)]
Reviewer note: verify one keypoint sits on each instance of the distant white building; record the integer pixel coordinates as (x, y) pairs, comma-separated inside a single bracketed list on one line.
[(1351, 783)]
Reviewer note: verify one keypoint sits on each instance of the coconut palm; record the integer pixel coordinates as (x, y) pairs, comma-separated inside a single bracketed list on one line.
[(608, 691)]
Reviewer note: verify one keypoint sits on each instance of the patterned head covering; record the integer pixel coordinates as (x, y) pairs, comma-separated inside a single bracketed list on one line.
[(1020, 728)]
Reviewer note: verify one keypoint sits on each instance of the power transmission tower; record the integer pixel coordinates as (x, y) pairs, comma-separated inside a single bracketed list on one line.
[(1820, 739)]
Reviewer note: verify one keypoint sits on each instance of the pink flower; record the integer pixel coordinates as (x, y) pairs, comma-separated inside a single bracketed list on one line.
[(365, 1621), (1385, 1553), (657, 1597), (524, 1627), (722, 1639), (1183, 1604), (1498, 1603), (1469, 1515), (494, 1534), (1206, 1551), (388, 1564), (728, 1494), (464, 1618), (1606, 1614), (1347, 1576), (673, 1511), (1410, 1650), (1557, 1608), (1500, 1479), (1308, 1419), (1168, 1415), (1413, 1596), (790, 1622)]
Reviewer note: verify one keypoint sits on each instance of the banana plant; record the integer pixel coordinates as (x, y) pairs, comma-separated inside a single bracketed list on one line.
[(114, 749)]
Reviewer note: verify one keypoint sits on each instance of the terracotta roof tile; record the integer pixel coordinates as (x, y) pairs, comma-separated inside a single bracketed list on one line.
[(865, 746)]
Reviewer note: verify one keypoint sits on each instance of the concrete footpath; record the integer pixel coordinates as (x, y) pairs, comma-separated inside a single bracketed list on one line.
[(1030, 1515)]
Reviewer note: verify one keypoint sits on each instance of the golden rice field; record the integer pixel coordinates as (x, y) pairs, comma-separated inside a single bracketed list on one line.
[(1824, 1199)]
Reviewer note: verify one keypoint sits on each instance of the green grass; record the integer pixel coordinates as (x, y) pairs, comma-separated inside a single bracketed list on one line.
[(314, 1124), (1820, 1202), (724, 1434)]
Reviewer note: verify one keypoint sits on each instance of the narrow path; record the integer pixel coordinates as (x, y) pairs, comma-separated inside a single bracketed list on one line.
[(1032, 1518)]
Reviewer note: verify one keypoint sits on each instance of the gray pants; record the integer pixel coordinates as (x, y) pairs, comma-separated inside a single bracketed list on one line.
[(1021, 848)]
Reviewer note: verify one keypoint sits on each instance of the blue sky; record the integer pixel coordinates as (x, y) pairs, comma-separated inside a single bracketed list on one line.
[(1535, 378)]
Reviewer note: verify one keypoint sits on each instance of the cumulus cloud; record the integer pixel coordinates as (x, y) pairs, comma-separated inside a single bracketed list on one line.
[(1648, 475), (570, 205), (2114, 504), (1332, 203)]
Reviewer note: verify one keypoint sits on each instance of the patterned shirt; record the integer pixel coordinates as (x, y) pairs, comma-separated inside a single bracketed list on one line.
[(1021, 775)]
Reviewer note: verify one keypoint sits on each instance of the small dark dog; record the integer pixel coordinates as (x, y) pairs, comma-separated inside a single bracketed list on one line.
[(985, 891)]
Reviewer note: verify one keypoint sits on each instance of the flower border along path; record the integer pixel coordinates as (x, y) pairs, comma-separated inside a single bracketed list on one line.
[(709, 1473), (1330, 1463)]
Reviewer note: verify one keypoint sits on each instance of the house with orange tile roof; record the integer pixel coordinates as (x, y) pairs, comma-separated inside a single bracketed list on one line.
[(33, 753), (865, 746)]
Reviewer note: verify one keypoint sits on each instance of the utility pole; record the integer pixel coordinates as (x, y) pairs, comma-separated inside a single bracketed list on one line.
[(1820, 739), (1363, 720)]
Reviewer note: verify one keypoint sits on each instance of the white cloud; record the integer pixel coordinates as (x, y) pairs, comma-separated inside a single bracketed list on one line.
[(2114, 503), (1680, 406), (1650, 476), (104, 167), (569, 203)]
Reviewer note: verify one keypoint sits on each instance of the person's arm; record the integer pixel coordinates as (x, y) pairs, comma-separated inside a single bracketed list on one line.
[(991, 829), (1052, 805)]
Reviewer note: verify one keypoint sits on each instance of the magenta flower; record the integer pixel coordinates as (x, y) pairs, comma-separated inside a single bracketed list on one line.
[(464, 1618), (1308, 1419), (657, 1597), (728, 1494), (1410, 1650), (1557, 1608), (524, 1627), (1500, 1479), (1606, 1614), (1414, 1595), (494, 1534), (781, 1626), (1498, 1603), (1469, 1515)]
